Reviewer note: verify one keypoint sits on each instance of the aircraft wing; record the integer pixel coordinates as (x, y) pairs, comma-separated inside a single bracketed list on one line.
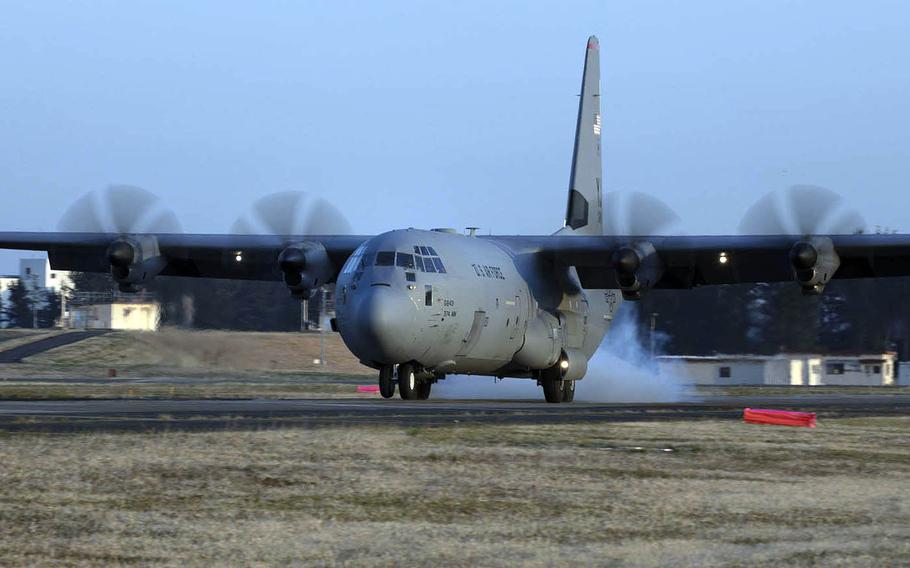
[(243, 257), (689, 261)]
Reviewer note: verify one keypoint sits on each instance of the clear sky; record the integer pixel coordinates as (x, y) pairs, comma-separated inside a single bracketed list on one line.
[(450, 114)]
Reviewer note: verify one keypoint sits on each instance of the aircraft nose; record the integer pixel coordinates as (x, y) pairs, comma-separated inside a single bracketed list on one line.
[(385, 325)]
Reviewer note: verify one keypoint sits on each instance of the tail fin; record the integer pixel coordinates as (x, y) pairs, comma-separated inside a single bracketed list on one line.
[(584, 213)]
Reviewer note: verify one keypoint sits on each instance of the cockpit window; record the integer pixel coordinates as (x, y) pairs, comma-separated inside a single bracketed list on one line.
[(405, 260), (416, 249), (438, 263), (428, 265), (432, 252), (419, 262), (424, 251), (355, 260), (385, 258)]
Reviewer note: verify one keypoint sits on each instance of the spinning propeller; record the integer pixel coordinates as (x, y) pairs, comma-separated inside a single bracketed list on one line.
[(637, 214), (291, 213), (801, 210), (305, 265), (120, 209)]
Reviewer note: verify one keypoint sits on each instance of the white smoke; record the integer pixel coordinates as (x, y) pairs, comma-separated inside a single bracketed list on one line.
[(620, 371)]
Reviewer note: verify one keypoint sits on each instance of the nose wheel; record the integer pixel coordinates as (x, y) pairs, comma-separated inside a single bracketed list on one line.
[(386, 382), (410, 387)]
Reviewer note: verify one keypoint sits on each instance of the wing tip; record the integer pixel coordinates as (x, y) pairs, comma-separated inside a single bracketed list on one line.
[(593, 43)]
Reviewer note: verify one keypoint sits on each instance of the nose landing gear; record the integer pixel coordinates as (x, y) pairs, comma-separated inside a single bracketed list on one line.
[(410, 385)]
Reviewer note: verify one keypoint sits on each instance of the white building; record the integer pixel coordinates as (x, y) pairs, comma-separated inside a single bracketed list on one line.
[(36, 273), (141, 316), (783, 369)]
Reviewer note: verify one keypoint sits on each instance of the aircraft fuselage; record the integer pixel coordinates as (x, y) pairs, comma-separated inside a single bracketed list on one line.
[(453, 303)]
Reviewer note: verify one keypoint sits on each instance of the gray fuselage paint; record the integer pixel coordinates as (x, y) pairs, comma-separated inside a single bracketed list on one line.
[(483, 309)]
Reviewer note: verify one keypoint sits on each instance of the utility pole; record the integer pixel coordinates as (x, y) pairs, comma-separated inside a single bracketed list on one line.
[(63, 291), (322, 347), (652, 336)]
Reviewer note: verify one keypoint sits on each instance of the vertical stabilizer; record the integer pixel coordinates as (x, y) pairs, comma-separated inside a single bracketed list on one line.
[(584, 213)]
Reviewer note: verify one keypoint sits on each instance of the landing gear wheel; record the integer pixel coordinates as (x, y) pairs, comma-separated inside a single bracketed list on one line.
[(568, 391), (408, 385), (423, 390), (552, 389), (386, 382)]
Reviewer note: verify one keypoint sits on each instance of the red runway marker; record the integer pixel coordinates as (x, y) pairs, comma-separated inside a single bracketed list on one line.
[(779, 417), (368, 388)]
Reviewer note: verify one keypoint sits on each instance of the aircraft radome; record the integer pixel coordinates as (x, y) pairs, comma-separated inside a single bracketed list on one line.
[(420, 304)]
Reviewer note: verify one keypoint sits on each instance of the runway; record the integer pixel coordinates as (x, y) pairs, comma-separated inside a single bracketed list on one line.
[(158, 414)]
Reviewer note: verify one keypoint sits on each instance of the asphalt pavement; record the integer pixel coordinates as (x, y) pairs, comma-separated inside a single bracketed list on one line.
[(158, 414)]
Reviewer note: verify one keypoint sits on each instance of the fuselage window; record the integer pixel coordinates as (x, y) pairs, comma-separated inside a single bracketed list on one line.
[(439, 266), (385, 258), (405, 260)]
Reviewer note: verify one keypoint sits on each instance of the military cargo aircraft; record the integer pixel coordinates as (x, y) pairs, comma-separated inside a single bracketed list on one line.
[(417, 304)]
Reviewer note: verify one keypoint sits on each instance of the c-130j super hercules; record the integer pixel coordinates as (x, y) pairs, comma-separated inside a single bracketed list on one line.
[(417, 304)]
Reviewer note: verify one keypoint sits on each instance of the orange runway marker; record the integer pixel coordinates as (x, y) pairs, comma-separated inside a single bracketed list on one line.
[(779, 417)]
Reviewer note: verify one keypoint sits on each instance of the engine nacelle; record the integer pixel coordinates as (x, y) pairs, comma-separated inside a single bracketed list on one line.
[(135, 260), (306, 266), (638, 267), (814, 263)]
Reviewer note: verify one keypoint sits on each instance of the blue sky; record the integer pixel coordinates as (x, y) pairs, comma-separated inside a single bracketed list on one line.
[(450, 114)]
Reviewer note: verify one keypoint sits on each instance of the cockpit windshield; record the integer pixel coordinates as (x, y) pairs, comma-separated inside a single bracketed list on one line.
[(424, 259), (385, 258)]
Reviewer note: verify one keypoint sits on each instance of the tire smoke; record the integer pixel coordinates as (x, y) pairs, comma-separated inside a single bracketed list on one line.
[(620, 371)]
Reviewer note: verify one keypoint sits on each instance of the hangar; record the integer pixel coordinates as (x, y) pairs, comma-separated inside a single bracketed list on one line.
[(783, 369)]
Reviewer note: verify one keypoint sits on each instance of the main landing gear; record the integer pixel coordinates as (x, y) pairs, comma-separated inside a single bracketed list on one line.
[(410, 385), (558, 390), (386, 382)]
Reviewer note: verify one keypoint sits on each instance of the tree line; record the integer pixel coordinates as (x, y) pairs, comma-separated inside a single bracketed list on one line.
[(849, 316), (25, 307)]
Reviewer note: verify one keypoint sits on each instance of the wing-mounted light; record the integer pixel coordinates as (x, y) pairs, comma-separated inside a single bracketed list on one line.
[(814, 261), (306, 266), (135, 260), (638, 267)]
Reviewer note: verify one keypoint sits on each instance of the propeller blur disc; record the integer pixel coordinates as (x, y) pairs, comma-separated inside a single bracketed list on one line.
[(637, 214), (119, 209), (801, 210), (291, 213)]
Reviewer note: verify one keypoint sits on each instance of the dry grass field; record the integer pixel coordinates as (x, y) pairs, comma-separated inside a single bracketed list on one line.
[(668, 493), (188, 352)]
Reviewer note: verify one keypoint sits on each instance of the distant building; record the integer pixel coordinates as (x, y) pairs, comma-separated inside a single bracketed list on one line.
[(141, 316), (784, 369), (36, 273)]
